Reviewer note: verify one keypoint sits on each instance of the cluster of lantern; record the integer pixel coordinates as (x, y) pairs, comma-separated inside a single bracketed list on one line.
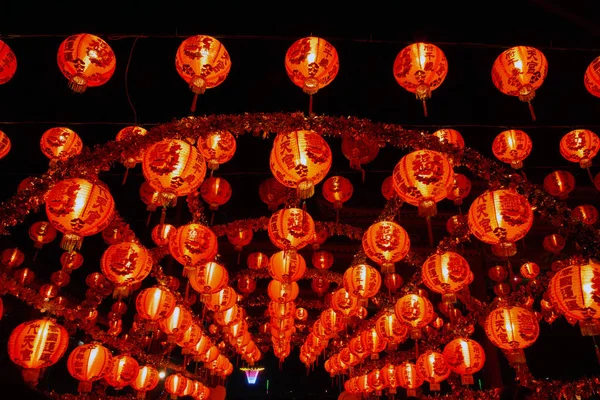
[(178, 385)]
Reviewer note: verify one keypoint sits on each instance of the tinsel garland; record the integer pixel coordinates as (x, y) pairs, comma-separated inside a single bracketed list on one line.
[(311, 273)]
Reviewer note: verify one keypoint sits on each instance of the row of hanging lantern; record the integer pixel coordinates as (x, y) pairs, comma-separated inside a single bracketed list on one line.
[(311, 63)]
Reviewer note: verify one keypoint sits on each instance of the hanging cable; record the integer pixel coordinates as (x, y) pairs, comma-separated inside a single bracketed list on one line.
[(126, 83)]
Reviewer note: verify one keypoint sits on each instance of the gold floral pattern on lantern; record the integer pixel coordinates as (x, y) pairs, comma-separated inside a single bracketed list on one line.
[(423, 178), (591, 78), (512, 329), (386, 243), (300, 160), (126, 264), (8, 63), (465, 357), (580, 146), (291, 228), (421, 68), (416, 311), (217, 148), (500, 218), (311, 63), (512, 147)]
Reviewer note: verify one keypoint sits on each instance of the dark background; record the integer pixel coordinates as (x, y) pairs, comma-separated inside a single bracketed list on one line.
[(146, 90)]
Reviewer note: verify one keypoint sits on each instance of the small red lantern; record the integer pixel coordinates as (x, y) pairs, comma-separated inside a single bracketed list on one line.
[(4, 143), (362, 281), (273, 193), (416, 311), (257, 260), (322, 259), (512, 147), (591, 78), (460, 189), (554, 243), (146, 380), (291, 228), (386, 243), (585, 213), (60, 144), (433, 368), (464, 357), (287, 266), (122, 371), (559, 184), (193, 244), (217, 148), (359, 151), (451, 137), (581, 146), (8, 63), (42, 232), (215, 191), (209, 278), (387, 188)]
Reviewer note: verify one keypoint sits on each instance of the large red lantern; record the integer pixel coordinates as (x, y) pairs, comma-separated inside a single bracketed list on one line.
[(450, 137), (8, 63), (300, 160), (415, 311), (35, 345), (155, 303), (591, 78), (60, 144), (122, 371), (89, 363), (386, 243), (559, 184), (512, 329), (209, 278), (193, 244), (581, 146), (77, 208), (464, 357), (362, 281), (86, 60), (423, 178), (146, 380), (500, 218), (374, 343), (217, 148), (409, 378), (446, 273), (421, 68), (126, 264), (282, 292), (390, 328), (520, 71), (291, 228), (287, 266), (512, 147), (433, 368)]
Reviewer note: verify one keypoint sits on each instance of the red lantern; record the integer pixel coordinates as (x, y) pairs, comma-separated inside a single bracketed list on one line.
[(450, 137), (500, 218), (177, 322), (320, 285), (146, 380), (209, 278), (529, 270), (42, 232), (512, 329), (581, 146), (215, 191), (126, 264), (230, 316), (409, 378), (282, 292), (559, 184), (35, 345), (554, 243), (130, 134), (193, 244), (77, 208), (122, 371), (86, 60), (190, 338), (257, 260), (332, 321), (88, 363), (433, 368), (386, 243), (344, 303), (464, 357), (460, 189), (8, 63), (246, 284), (161, 234), (392, 282), (512, 147), (221, 300), (300, 160), (273, 193), (287, 266), (12, 257), (390, 328), (359, 151), (322, 259), (423, 178), (520, 71), (217, 148), (387, 188), (585, 213), (60, 144), (591, 78), (311, 63), (337, 190), (175, 385), (239, 237), (420, 68), (445, 273), (4, 140), (373, 342), (155, 303), (388, 374), (416, 311), (362, 281), (291, 228)]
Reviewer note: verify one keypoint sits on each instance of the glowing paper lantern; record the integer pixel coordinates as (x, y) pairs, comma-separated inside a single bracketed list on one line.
[(217, 148), (174, 168), (359, 151), (387, 188), (574, 290), (415, 311), (257, 260), (129, 134), (177, 322), (215, 191), (193, 244), (585, 213), (209, 278), (445, 273), (500, 218), (591, 78), (520, 71), (374, 343), (512, 147), (386, 243), (176, 384), (35, 345), (155, 303), (88, 363), (287, 266), (122, 371), (42, 232), (273, 193), (322, 259), (85, 60), (559, 184), (337, 190), (77, 208), (580, 145), (554, 243), (423, 178), (433, 368), (126, 264), (203, 62), (8, 63), (529, 270), (239, 237), (4, 141), (390, 328), (161, 234), (421, 68), (291, 228), (60, 144), (460, 189), (221, 300), (146, 380), (282, 292), (451, 137), (512, 329), (12, 257), (409, 378), (464, 357), (311, 63), (344, 303), (362, 281)]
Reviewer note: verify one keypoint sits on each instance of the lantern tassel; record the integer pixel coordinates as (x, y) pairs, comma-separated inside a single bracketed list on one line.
[(125, 176), (531, 110), (148, 219), (163, 215), (35, 255), (212, 217), (590, 175), (424, 107), (310, 105), (194, 103)]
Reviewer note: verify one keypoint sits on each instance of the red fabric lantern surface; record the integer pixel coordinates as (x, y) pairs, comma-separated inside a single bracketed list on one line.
[(450, 137), (193, 244), (221, 300), (146, 380), (409, 378), (512, 329), (161, 234), (554, 243), (130, 134), (445, 273), (12, 257), (126, 264), (273, 193), (337, 190), (155, 303), (88, 363), (460, 189), (580, 146), (239, 237), (585, 213), (174, 168), (177, 322), (392, 282), (257, 260), (512, 147), (217, 148), (4, 144), (209, 278), (322, 259), (500, 218), (591, 78), (520, 71), (423, 178), (189, 338), (230, 316), (332, 321), (386, 243), (362, 281), (344, 303), (35, 345), (390, 380), (559, 184), (86, 60), (415, 311), (8, 63), (287, 266), (300, 160), (373, 342), (176, 384), (433, 368), (387, 188), (77, 208), (42, 232), (391, 329), (311, 63), (60, 144), (421, 68), (203, 62), (529, 270), (359, 151), (246, 284), (465, 357), (282, 292), (215, 191), (291, 228), (281, 310), (122, 371)]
